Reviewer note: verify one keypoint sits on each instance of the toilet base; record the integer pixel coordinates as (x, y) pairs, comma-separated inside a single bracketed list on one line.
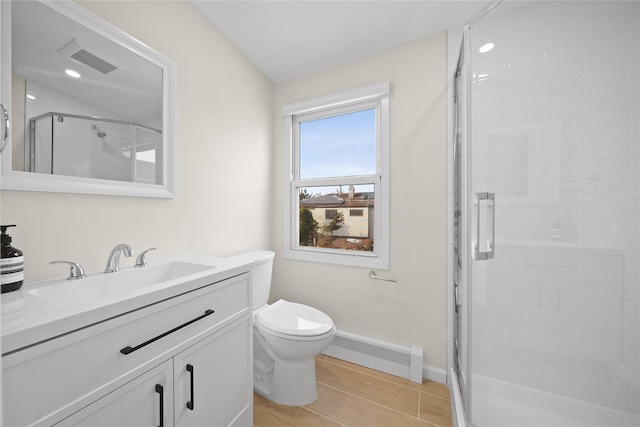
[(290, 383)]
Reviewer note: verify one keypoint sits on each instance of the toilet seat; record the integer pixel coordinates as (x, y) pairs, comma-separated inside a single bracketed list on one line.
[(294, 321)]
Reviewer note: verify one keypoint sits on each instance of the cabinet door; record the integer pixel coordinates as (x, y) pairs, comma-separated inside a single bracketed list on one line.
[(213, 379), (145, 401)]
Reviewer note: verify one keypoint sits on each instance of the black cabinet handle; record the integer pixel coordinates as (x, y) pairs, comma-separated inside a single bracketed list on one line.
[(129, 349), (160, 391), (190, 402)]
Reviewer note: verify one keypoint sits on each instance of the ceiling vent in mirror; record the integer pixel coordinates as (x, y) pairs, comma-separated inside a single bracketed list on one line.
[(86, 56)]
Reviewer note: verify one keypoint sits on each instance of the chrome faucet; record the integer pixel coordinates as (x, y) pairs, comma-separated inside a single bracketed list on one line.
[(75, 272), (141, 261), (113, 262)]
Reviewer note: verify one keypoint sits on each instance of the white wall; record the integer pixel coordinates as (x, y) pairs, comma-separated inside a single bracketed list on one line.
[(224, 132), (413, 312)]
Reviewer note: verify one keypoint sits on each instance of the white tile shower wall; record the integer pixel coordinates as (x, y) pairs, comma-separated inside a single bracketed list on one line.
[(555, 136)]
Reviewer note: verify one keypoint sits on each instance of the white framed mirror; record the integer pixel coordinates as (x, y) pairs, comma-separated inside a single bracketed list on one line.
[(91, 107)]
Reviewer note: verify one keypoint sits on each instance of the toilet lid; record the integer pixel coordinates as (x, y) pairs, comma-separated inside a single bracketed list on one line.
[(294, 319)]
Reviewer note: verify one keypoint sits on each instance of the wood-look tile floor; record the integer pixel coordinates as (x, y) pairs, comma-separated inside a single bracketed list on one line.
[(350, 395)]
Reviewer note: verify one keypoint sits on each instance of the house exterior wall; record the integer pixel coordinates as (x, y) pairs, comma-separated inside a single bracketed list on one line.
[(354, 226)]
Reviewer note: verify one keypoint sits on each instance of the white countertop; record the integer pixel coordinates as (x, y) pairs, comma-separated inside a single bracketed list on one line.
[(28, 319)]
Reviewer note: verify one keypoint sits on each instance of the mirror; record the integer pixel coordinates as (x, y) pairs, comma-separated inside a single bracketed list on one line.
[(91, 107)]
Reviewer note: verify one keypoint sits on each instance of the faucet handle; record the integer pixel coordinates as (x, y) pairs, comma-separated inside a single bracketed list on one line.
[(141, 261), (75, 271)]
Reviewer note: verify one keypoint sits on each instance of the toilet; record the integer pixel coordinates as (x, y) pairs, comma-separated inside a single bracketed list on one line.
[(286, 338)]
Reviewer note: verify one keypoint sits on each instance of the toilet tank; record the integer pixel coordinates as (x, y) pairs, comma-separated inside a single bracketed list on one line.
[(262, 267)]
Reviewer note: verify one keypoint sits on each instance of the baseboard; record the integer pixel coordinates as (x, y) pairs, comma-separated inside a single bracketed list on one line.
[(433, 373), (395, 359)]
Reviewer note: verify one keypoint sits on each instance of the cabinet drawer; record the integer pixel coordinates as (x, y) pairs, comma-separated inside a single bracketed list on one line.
[(57, 378)]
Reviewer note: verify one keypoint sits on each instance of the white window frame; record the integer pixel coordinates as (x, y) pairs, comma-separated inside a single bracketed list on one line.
[(372, 96)]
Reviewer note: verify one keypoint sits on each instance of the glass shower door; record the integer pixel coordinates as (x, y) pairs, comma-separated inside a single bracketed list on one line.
[(554, 121)]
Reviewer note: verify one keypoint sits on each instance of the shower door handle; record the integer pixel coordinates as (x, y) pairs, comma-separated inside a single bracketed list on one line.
[(484, 246), (5, 125)]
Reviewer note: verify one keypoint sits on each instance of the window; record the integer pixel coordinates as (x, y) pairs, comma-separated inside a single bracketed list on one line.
[(330, 214), (337, 196)]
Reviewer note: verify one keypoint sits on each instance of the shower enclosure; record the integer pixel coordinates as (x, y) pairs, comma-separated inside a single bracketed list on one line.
[(94, 147), (545, 217)]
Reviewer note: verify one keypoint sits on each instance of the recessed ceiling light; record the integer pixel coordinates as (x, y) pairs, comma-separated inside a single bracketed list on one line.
[(31, 97), (486, 48), (72, 73)]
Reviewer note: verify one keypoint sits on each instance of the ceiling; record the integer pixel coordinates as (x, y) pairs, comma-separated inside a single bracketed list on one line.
[(39, 37), (289, 39)]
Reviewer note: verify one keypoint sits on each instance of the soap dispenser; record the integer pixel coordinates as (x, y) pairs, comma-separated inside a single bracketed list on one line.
[(11, 263)]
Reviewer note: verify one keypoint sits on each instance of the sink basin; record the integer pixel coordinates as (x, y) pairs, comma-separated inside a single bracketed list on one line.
[(102, 288)]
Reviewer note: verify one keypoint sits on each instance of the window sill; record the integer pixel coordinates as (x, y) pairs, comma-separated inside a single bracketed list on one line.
[(366, 259)]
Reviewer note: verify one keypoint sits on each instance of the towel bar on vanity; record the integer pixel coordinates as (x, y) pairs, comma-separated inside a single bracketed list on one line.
[(372, 274)]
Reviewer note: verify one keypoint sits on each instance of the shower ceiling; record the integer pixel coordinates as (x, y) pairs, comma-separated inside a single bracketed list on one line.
[(288, 39)]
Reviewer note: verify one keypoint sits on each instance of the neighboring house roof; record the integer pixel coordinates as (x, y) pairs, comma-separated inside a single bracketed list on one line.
[(343, 201), (325, 199)]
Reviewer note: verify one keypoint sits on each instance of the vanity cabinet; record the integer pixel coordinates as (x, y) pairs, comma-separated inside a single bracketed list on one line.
[(183, 361), (209, 389)]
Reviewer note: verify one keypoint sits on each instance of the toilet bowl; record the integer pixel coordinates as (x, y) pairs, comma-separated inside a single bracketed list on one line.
[(290, 335), (286, 338)]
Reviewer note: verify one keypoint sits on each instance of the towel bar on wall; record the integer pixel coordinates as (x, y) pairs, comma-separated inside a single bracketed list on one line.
[(372, 274)]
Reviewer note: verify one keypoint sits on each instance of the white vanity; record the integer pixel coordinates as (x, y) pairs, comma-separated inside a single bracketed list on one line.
[(174, 351)]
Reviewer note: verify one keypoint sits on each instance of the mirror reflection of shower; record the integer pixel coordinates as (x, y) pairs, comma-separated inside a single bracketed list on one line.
[(99, 132), (94, 147)]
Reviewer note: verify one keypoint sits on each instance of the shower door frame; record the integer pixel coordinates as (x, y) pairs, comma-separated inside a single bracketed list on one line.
[(461, 183)]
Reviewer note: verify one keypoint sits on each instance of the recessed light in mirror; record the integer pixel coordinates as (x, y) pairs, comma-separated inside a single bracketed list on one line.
[(72, 73), (486, 47), (31, 97)]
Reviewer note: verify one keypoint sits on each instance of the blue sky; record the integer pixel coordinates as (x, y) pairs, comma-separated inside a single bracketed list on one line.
[(337, 146)]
